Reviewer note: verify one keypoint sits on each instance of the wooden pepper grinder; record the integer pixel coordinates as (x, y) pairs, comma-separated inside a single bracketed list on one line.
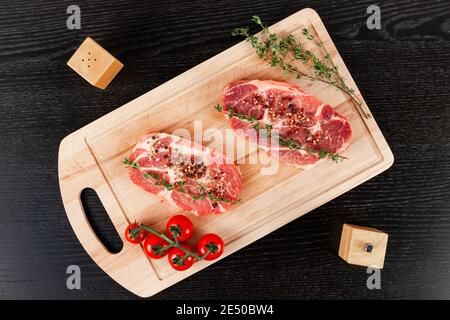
[(363, 246)]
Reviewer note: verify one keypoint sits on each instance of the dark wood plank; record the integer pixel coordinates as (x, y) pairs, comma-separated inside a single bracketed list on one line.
[(402, 70)]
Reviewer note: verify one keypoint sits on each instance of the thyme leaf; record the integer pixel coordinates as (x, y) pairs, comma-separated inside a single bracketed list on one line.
[(177, 186), (291, 144)]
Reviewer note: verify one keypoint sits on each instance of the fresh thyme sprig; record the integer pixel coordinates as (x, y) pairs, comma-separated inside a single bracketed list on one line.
[(322, 154), (177, 186), (232, 113), (291, 144), (276, 50)]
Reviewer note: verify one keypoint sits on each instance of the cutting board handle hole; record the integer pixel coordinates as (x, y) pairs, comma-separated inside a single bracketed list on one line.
[(100, 221)]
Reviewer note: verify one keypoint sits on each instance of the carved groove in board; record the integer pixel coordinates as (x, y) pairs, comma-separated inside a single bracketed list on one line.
[(104, 177), (117, 200)]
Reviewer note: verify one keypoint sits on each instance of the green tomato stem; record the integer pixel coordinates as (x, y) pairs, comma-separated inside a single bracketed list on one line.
[(206, 254), (172, 243)]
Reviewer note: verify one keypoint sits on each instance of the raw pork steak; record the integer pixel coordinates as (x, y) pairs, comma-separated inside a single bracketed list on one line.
[(187, 175), (291, 114)]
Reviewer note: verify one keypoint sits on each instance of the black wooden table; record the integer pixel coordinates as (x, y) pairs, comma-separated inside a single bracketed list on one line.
[(402, 70)]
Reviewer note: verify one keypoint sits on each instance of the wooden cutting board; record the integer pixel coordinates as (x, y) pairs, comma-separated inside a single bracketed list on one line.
[(92, 158)]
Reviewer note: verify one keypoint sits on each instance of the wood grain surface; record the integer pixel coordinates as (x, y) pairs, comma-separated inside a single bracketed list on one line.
[(402, 71)]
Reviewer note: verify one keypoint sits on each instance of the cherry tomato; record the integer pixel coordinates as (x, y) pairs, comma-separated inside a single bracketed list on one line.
[(135, 238), (181, 227), (176, 255), (213, 243), (154, 246)]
